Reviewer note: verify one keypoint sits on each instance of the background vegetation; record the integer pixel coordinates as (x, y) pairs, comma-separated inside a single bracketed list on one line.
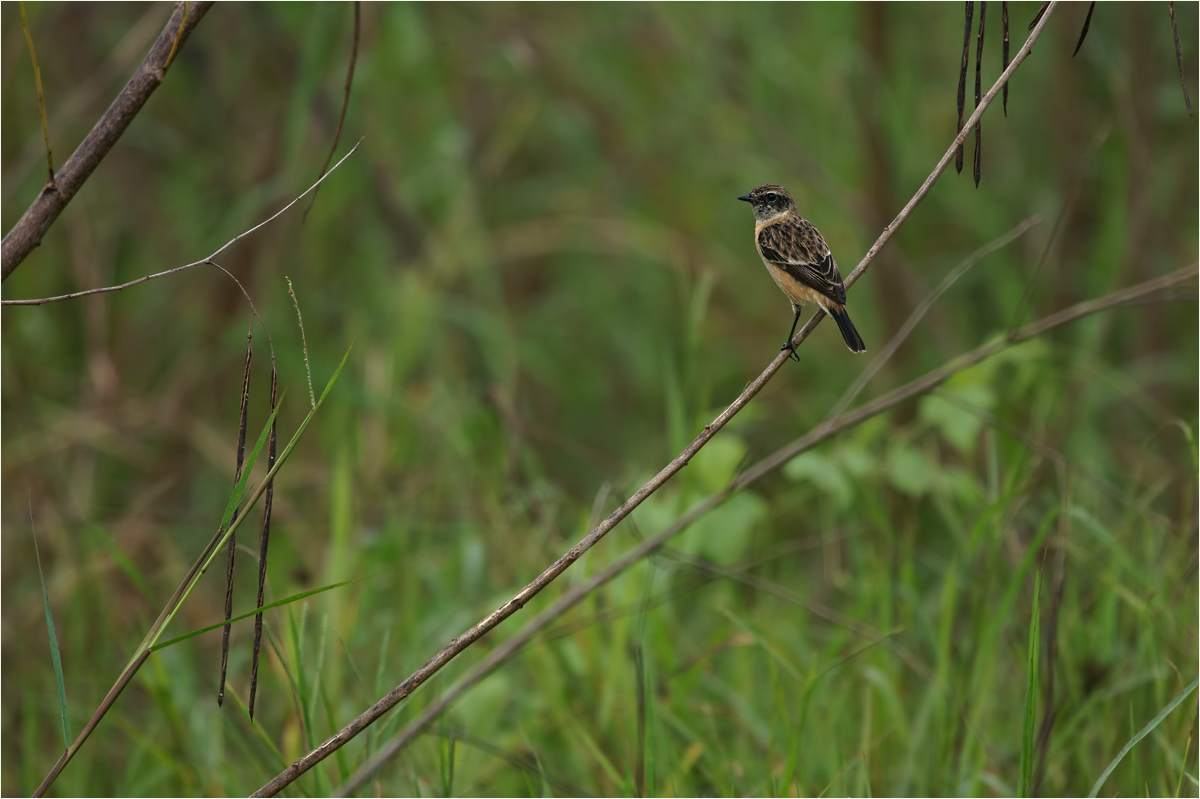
[(551, 289)]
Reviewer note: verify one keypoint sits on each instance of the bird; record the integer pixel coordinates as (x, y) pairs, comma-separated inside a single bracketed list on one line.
[(799, 261)]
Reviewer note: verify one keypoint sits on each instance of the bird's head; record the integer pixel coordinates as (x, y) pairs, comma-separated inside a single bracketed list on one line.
[(769, 201)]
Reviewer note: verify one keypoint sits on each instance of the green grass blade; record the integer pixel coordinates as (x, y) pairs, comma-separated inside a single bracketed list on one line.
[(1028, 733), (1142, 733), (255, 612), (54, 654)]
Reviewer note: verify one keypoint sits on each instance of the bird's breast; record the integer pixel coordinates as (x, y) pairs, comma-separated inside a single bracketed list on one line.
[(797, 292)]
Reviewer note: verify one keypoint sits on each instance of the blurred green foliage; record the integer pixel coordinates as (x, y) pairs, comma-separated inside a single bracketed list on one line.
[(551, 289)]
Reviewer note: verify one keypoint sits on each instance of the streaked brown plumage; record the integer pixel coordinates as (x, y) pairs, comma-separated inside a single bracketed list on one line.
[(799, 261)]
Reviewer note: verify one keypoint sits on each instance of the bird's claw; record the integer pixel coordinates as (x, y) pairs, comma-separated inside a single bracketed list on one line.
[(789, 346)]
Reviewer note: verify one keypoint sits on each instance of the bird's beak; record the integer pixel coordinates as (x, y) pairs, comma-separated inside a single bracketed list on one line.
[(745, 198)]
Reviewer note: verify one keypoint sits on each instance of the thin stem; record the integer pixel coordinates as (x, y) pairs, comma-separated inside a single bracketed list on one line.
[(208, 260)]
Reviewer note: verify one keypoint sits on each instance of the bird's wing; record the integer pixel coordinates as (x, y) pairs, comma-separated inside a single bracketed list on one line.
[(799, 250)]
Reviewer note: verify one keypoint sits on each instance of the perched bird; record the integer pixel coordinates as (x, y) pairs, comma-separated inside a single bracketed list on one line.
[(799, 260)]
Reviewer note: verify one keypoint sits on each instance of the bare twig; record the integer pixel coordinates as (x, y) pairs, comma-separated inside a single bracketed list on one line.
[(337, 134), (824, 431), (29, 230), (208, 260), (455, 647)]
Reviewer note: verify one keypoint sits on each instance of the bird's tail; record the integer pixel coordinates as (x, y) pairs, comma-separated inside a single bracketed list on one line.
[(853, 340)]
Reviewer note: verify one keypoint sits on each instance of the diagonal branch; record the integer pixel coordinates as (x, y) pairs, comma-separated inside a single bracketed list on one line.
[(60, 188), (455, 647)]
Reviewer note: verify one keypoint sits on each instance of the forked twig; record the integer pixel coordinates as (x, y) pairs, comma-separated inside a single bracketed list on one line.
[(449, 652)]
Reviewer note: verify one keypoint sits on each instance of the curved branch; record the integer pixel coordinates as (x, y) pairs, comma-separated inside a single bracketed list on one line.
[(60, 188)]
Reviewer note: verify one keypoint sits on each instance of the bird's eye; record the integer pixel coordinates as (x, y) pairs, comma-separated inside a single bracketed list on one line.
[(772, 197)]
